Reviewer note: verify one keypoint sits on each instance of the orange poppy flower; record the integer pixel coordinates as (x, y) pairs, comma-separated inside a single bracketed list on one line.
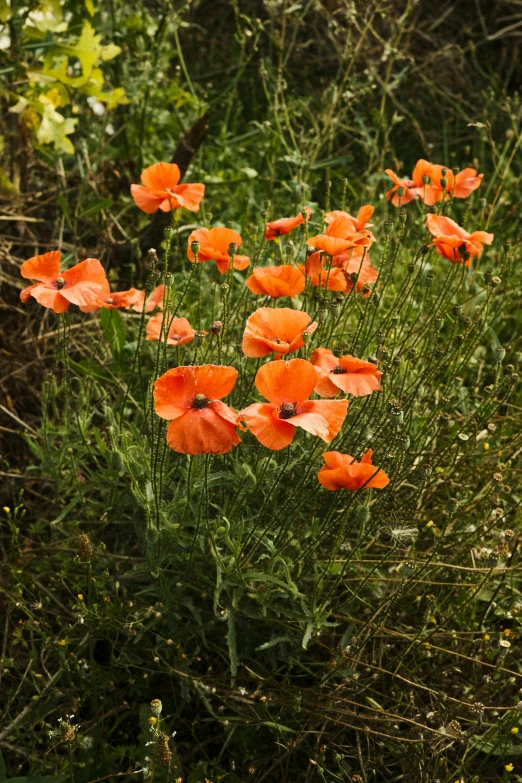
[(154, 300), (180, 330), (459, 185), (84, 284), (190, 397), (276, 281), (347, 374), (160, 190), (317, 272), (213, 246), (343, 265), (288, 385), (454, 242), (359, 223), (408, 185), (277, 228), (340, 236), (341, 471), (278, 330), (119, 299)]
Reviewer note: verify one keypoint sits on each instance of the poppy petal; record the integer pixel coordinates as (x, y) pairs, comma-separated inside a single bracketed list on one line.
[(161, 176), (323, 418), (264, 423), (145, 199), (202, 431), (45, 268), (286, 381), (86, 283), (190, 195), (49, 297)]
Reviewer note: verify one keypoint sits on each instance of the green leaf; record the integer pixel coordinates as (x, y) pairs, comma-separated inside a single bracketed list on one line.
[(101, 203), (113, 327), (90, 369)]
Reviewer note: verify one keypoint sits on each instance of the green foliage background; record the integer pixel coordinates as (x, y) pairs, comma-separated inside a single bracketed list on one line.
[(275, 669)]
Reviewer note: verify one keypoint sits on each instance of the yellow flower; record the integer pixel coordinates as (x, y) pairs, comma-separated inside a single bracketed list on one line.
[(62, 642), (486, 446), (486, 637), (514, 730), (153, 720), (80, 597), (7, 509), (509, 767), (430, 523)]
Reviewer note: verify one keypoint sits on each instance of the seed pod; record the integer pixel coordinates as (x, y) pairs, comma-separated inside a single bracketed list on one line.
[(407, 569), (396, 361), (402, 217), (428, 280), (403, 442), (395, 415), (322, 314), (373, 359), (169, 280), (156, 707), (232, 249), (500, 354), (335, 308), (425, 249), (482, 203), (495, 281), (425, 179), (456, 309), (401, 190), (411, 268), (411, 353), (85, 550), (387, 226), (195, 247)]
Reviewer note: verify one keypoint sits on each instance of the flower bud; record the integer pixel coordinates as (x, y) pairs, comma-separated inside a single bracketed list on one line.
[(443, 182), (216, 327), (444, 171), (482, 203)]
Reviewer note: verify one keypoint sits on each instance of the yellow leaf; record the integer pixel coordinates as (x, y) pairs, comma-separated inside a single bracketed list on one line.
[(89, 5), (55, 128)]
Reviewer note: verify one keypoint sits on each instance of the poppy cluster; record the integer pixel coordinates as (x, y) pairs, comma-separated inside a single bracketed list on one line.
[(431, 183), (342, 259), (191, 397)]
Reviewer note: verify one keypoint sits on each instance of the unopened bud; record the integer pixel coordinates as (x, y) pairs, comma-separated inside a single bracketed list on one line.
[(216, 327), (443, 182)]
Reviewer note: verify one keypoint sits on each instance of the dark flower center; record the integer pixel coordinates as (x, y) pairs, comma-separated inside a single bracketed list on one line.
[(287, 410), (59, 282), (200, 401), (339, 370)]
